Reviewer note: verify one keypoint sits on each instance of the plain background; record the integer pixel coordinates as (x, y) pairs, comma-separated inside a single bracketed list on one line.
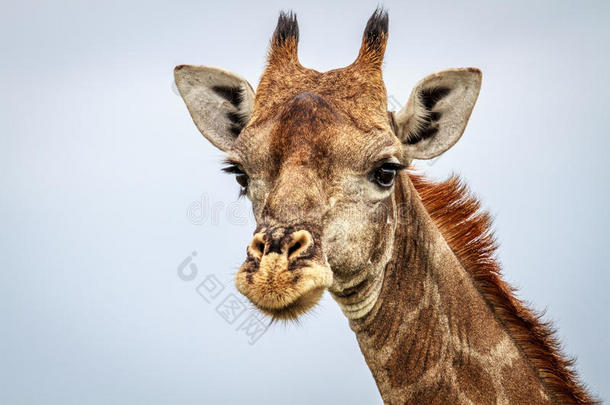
[(100, 162)]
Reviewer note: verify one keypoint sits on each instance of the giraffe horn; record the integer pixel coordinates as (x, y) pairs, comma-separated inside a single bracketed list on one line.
[(374, 39), (285, 40)]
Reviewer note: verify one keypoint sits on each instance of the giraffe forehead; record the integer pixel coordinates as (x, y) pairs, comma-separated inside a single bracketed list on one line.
[(319, 139), (305, 127), (322, 120), (357, 92), (314, 131)]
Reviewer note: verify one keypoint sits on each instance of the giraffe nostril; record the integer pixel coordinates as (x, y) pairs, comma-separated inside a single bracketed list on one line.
[(294, 248), (301, 240), (257, 246), (290, 245)]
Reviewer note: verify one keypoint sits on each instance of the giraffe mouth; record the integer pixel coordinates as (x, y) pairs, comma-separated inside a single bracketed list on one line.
[(280, 292), (297, 308)]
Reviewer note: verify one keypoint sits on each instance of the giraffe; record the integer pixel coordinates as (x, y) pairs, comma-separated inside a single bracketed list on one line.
[(410, 262)]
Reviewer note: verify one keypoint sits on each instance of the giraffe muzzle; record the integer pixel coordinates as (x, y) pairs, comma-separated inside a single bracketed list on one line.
[(285, 272)]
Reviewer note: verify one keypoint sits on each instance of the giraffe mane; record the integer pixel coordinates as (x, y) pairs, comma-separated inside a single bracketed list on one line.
[(468, 231)]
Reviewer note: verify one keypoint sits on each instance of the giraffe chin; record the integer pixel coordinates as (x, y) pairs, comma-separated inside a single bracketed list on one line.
[(297, 308), (282, 293)]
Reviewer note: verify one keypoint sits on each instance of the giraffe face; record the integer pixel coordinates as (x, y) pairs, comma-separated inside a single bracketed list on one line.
[(318, 155), (321, 190)]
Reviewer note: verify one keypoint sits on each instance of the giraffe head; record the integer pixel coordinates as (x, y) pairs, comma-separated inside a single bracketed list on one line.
[(318, 155)]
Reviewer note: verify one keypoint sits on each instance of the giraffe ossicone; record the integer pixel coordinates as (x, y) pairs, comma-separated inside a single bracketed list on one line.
[(410, 262)]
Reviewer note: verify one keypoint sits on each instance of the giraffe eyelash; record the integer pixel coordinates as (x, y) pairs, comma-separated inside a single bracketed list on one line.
[(240, 176)]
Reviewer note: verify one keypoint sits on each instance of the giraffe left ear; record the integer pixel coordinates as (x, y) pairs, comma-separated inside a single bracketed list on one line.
[(219, 102), (437, 112)]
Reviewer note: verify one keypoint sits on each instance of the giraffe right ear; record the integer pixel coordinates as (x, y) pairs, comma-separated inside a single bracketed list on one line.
[(437, 112), (219, 102)]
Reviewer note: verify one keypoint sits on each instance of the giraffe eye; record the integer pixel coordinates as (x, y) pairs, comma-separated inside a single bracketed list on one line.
[(385, 174), (240, 176), (242, 179)]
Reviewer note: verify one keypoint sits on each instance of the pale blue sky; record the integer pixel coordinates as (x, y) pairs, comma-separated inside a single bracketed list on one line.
[(100, 162)]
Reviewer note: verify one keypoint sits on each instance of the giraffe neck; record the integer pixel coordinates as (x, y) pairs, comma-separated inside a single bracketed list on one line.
[(431, 337)]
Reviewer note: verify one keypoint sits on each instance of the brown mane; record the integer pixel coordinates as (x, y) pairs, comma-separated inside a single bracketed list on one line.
[(467, 230)]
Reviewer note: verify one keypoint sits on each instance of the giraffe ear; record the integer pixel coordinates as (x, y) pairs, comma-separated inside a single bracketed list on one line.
[(437, 112), (219, 102)]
